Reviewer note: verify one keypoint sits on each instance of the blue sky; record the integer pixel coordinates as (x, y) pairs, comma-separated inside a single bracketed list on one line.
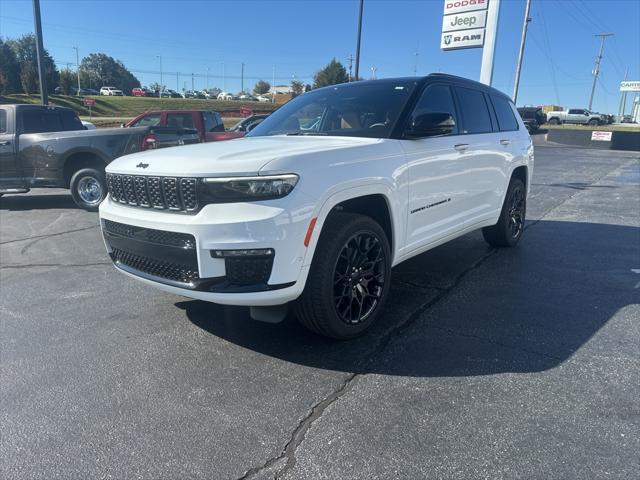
[(299, 37)]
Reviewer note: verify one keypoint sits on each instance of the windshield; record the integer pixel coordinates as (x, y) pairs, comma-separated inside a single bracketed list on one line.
[(368, 109)]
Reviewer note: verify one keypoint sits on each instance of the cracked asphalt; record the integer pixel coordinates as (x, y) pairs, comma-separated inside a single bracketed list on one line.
[(488, 363)]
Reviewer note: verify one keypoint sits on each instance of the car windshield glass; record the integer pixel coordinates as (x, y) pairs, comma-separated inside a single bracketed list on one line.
[(368, 109)]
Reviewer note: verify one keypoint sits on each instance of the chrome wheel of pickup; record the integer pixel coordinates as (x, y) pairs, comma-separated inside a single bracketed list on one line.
[(90, 190)]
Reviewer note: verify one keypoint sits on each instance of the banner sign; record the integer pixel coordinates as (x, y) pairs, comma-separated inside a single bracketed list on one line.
[(632, 86), (463, 24)]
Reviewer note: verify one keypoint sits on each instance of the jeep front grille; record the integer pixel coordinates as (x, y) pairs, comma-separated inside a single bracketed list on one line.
[(162, 193)]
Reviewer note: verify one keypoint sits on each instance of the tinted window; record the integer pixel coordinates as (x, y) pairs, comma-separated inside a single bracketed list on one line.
[(506, 119), (575, 111), (3, 121), (180, 120), (436, 99), (70, 120), (40, 121), (475, 113), (213, 122), (148, 121)]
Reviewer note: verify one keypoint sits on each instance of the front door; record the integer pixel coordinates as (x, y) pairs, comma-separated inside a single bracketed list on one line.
[(9, 173)]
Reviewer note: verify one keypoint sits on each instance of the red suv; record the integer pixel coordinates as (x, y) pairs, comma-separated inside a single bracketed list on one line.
[(140, 92)]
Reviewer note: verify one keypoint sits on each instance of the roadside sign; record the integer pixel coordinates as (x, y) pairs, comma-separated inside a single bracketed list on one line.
[(463, 24), (459, 6), (601, 136), (459, 21), (88, 102), (245, 111), (630, 86), (462, 39)]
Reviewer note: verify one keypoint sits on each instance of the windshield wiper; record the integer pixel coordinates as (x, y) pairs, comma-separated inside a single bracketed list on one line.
[(307, 133)]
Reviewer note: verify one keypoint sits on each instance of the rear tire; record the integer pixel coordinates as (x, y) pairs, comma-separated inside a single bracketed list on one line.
[(554, 121), (510, 227), (349, 278), (88, 188)]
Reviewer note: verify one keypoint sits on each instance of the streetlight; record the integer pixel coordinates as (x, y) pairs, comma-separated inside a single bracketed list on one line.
[(77, 69), (161, 87), (224, 79), (207, 87), (373, 73)]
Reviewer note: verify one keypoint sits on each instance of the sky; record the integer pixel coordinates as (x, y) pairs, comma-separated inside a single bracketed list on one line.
[(295, 38)]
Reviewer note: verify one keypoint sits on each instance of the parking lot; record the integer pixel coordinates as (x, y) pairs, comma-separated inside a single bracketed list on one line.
[(487, 363)]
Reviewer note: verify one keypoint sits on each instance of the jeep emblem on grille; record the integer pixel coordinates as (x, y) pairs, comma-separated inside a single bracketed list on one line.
[(142, 165)]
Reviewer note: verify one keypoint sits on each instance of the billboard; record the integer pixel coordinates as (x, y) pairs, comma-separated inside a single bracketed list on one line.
[(630, 86)]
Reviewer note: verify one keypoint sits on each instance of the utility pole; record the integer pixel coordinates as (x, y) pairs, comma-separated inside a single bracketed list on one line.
[(415, 65), (596, 70), (207, 88), (523, 40), (177, 81), (192, 89), (224, 79), (273, 86), (490, 36), (161, 84), (350, 65), (77, 69), (359, 36), (373, 73), (242, 78), (44, 97)]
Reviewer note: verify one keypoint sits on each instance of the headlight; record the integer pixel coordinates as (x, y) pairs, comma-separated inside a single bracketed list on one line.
[(246, 189)]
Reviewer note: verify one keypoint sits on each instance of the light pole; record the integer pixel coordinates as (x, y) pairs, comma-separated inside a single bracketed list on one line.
[(77, 69), (207, 87), (273, 86), (373, 73), (242, 78), (358, 39), (224, 79), (161, 86), (44, 97)]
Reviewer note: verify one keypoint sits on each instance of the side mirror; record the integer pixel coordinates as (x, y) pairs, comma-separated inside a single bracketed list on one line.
[(430, 125)]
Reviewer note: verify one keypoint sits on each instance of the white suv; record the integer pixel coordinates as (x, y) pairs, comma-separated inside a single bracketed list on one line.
[(317, 203), (111, 91)]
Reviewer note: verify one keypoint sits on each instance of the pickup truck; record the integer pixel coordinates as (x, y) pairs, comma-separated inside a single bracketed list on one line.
[(578, 116), (44, 146), (316, 204), (208, 124)]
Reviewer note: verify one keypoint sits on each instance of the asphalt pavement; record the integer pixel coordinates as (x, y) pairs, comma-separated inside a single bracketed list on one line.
[(487, 363)]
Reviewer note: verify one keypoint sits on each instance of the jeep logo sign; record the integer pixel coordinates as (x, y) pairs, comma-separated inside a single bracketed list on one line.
[(462, 39), (463, 21), (459, 6)]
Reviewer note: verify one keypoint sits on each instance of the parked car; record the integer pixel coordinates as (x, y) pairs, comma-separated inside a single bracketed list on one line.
[(248, 98), (111, 91), (225, 96), (208, 124), (317, 218), (263, 98), (248, 124), (44, 146), (577, 116), (88, 125), (171, 94), (533, 117), (140, 92)]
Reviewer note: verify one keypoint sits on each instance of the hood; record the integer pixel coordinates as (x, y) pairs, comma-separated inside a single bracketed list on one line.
[(243, 156)]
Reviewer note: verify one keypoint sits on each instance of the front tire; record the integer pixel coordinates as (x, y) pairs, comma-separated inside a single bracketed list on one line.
[(594, 122), (554, 121), (88, 188), (508, 231), (349, 277)]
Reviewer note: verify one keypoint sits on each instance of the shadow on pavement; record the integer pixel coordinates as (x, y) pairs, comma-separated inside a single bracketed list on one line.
[(523, 310), (37, 202)]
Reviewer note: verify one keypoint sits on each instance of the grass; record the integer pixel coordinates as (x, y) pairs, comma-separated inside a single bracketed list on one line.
[(128, 107), (629, 127)]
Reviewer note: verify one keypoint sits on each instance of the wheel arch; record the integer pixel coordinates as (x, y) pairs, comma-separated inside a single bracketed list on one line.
[(79, 159)]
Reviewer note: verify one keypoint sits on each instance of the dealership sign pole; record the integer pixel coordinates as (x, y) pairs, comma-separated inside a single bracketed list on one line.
[(472, 24)]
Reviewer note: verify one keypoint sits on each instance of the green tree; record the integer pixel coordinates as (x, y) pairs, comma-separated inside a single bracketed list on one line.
[(9, 70), (67, 80), (261, 87), (25, 52), (332, 74), (297, 87), (100, 70)]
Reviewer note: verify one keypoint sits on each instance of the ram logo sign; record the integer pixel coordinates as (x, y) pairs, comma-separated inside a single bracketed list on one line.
[(462, 39)]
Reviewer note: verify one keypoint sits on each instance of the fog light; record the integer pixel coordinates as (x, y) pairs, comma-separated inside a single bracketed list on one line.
[(254, 252)]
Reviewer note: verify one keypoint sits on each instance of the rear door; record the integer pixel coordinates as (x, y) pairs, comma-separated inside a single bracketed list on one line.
[(9, 171), (484, 155)]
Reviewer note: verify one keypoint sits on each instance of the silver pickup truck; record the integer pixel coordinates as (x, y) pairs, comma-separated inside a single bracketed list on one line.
[(577, 116), (43, 146)]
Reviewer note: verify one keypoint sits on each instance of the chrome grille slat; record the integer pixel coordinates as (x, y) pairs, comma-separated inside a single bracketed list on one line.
[(163, 193)]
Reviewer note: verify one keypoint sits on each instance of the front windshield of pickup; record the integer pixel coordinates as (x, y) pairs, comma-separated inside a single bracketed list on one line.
[(368, 109)]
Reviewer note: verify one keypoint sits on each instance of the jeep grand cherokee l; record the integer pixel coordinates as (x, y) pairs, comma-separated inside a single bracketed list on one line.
[(317, 216)]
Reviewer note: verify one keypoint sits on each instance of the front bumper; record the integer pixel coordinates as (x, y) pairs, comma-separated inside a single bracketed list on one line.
[(174, 251)]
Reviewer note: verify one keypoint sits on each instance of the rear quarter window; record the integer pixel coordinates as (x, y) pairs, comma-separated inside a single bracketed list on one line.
[(70, 120), (41, 121), (148, 121), (504, 111)]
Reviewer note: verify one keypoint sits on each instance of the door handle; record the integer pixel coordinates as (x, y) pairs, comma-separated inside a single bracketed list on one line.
[(6, 143), (461, 147), (505, 142)]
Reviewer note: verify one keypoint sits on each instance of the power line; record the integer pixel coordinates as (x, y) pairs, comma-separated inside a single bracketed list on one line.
[(548, 53)]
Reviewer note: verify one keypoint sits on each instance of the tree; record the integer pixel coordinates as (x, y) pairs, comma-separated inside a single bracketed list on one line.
[(67, 80), (9, 70), (307, 88), (297, 87), (261, 87), (24, 49), (101, 70), (332, 74)]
